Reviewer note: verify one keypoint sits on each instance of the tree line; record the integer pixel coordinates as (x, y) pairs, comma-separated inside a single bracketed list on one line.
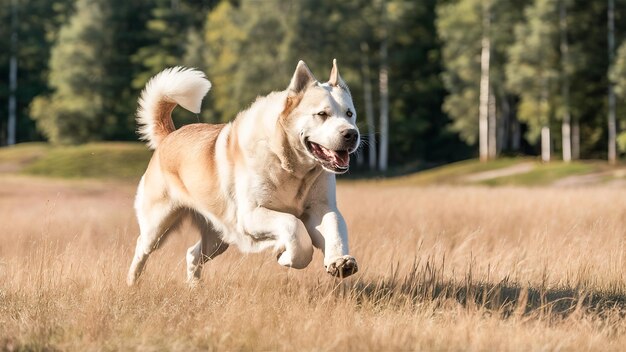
[(433, 80)]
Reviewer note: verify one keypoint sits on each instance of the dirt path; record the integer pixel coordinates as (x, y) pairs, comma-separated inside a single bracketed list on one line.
[(612, 178), (507, 171)]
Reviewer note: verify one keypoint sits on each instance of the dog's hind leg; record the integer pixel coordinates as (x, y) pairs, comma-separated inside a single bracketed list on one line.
[(156, 221), (208, 247)]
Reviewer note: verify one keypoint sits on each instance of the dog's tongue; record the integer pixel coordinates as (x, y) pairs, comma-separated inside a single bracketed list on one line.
[(341, 158)]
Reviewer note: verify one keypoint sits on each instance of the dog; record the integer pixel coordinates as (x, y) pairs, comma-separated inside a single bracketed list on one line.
[(264, 180)]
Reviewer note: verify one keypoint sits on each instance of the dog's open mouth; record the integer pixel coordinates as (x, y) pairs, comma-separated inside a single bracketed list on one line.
[(337, 161)]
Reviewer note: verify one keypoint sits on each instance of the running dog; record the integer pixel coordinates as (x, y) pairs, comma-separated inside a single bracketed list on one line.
[(264, 180)]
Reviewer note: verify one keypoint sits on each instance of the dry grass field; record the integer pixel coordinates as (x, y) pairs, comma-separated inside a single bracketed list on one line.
[(442, 268)]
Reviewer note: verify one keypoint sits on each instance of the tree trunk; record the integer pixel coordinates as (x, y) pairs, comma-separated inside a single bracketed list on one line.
[(12, 122), (492, 125), (383, 80), (504, 126), (612, 130), (565, 125), (369, 105), (483, 107), (575, 140), (516, 131), (545, 144), (546, 148), (516, 135)]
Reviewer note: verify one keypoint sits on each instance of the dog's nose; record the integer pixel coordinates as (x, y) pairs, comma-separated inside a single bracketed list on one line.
[(350, 135)]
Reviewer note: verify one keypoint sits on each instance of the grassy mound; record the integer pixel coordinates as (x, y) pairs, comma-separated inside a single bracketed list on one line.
[(454, 173), (513, 172), (545, 174), (128, 160), (94, 160)]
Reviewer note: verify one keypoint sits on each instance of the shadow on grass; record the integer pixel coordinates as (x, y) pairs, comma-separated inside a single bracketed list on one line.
[(506, 298)]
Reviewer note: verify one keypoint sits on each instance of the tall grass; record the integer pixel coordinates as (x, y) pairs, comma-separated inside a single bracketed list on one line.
[(441, 268)]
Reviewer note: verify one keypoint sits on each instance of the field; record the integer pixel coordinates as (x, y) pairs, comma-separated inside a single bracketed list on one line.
[(443, 267)]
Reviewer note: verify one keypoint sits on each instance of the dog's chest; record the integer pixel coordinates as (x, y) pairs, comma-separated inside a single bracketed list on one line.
[(289, 194)]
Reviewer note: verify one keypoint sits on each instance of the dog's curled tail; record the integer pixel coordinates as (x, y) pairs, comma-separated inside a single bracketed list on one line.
[(173, 86)]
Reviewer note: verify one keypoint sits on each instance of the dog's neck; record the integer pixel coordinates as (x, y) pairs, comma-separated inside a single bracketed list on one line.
[(293, 161)]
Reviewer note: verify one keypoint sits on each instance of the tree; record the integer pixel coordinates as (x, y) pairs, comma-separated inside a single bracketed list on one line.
[(483, 107), (618, 77), (368, 100), (75, 112), (612, 154), (465, 27), (383, 89), (90, 74), (566, 130), (11, 126), (36, 27), (533, 70)]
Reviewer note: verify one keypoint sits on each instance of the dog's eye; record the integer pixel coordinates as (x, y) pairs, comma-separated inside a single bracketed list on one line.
[(349, 113), (322, 114)]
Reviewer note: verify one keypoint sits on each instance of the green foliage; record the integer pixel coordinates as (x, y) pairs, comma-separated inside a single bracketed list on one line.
[(618, 77), (75, 112), (533, 69), (38, 23), (82, 63), (460, 27)]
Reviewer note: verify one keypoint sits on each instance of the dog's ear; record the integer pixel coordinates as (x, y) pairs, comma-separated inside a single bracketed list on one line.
[(334, 79), (301, 79)]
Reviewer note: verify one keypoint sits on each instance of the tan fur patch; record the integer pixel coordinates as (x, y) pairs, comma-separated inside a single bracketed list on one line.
[(281, 142), (291, 103), (163, 124), (187, 159)]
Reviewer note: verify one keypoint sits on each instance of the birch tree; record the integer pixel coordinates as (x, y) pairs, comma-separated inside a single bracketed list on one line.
[(483, 108), (368, 99), (566, 131), (383, 88), (462, 27), (533, 71)]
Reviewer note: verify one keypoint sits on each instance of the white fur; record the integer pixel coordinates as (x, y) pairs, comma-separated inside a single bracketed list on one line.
[(254, 200), (183, 86)]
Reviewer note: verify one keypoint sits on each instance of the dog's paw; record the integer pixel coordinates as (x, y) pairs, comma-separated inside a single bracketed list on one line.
[(343, 267)]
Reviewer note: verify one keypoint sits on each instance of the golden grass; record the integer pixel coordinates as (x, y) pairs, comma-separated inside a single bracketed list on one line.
[(442, 268)]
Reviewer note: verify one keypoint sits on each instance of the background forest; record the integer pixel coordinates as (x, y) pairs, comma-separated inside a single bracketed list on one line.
[(434, 80), (513, 254)]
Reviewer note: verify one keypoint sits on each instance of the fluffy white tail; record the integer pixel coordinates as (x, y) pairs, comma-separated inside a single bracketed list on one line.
[(173, 86)]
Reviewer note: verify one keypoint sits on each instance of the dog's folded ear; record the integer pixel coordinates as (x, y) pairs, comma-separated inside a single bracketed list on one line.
[(301, 79)]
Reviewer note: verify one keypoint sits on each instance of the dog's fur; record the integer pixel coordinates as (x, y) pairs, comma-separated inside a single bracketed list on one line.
[(264, 180)]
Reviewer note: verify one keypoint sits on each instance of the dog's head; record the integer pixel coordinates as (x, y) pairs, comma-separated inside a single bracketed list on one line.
[(323, 117)]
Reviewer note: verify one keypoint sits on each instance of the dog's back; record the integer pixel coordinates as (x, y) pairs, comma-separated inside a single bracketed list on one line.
[(264, 180)]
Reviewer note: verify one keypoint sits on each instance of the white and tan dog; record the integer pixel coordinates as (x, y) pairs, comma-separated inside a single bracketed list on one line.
[(264, 180)]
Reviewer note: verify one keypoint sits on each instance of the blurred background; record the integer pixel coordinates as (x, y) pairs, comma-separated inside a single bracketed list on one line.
[(434, 81)]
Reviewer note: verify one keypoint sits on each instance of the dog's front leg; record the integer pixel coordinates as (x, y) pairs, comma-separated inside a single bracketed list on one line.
[(329, 232), (292, 240)]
